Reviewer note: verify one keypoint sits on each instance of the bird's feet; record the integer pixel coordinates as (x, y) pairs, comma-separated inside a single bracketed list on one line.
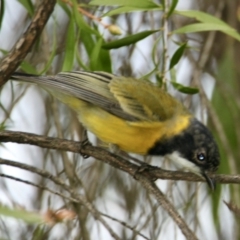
[(84, 143), (144, 167)]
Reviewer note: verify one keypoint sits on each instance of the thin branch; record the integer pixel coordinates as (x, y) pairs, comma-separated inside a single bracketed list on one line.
[(25, 43), (146, 182), (125, 225), (165, 41), (109, 158), (144, 177), (39, 186), (88, 14), (233, 208), (200, 64), (74, 196), (163, 201)]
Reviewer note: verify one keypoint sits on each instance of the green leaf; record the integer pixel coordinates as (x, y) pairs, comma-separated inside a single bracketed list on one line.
[(201, 17), (65, 7), (70, 47), (94, 58), (53, 53), (200, 27), (209, 23), (3, 126), (29, 217), (172, 8), (4, 52), (80, 21), (50, 60), (79, 60), (159, 79), (184, 89), (28, 6), (128, 40), (121, 10), (105, 63), (156, 60), (87, 41), (177, 55), (28, 68), (127, 3), (173, 75), (2, 9)]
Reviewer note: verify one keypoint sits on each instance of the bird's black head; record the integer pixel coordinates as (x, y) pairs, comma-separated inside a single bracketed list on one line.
[(194, 149), (204, 151)]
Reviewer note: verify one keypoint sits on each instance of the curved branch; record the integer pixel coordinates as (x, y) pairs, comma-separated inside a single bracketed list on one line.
[(107, 157), (118, 162), (75, 197), (24, 44), (164, 202)]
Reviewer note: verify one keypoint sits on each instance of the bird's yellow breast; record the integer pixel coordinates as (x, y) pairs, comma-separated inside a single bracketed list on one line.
[(136, 137), (107, 106)]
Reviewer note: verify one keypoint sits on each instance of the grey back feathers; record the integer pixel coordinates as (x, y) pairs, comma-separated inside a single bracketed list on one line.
[(127, 98)]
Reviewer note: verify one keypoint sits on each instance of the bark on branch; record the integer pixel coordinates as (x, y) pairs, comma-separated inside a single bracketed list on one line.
[(107, 157), (25, 43)]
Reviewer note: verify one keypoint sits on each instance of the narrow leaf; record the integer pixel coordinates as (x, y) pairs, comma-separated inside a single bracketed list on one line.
[(79, 60), (29, 217), (200, 27), (209, 23), (127, 3), (184, 89), (2, 9), (65, 7), (28, 6), (126, 9), (128, 40), (177, 55), (87, 40), (105, 63), (70, 47), (53, 52), (28, 68), (80, 21), (201, 17), (173, 75), (94, 58), (172, 8)]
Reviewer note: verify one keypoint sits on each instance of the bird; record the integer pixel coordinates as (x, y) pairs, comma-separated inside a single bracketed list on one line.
[(134, 115)]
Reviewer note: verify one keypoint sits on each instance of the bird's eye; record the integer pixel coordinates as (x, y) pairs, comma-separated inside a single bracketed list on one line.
[(201, 157)]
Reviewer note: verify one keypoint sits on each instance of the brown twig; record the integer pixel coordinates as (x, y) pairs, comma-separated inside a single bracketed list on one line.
[(24, 44), (165, 41), (103, 155), (117, 162), (107, 157), (233, 208), (120, 163), (88, 14), (74, 196), (125, 225), (200, 64), (163, 201)]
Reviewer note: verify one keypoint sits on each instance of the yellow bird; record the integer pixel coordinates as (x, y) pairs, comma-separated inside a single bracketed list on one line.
[(134, 115)]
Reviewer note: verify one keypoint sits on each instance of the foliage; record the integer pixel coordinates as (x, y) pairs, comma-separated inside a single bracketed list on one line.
[(177, 50)]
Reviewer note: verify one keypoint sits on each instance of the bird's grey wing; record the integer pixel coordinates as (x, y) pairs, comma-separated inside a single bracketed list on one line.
[(92, 87), (145, 101)]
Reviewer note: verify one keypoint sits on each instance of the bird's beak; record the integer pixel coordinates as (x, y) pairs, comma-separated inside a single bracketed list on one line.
[(211, 182)]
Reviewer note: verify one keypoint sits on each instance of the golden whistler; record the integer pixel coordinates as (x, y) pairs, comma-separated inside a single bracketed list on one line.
[(134, 115)]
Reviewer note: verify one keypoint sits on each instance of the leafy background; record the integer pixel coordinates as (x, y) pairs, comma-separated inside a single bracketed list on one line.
[(188, 47)]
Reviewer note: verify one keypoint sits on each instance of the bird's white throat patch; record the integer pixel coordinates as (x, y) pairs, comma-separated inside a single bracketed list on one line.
[(183, 162)]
